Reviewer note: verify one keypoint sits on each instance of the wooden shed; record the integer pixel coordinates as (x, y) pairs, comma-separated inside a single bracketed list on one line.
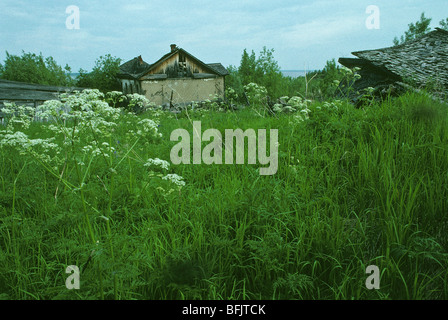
[(416, 63), (177, 77)]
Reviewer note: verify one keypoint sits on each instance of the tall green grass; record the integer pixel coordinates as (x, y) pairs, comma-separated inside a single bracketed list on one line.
[(354, 187)]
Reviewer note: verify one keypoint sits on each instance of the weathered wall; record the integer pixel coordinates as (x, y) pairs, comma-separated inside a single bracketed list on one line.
[(130, 86), (184, 89)]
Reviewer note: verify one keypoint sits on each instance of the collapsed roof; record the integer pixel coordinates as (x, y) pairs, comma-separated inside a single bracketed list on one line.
[(134, 68), (420, 62)]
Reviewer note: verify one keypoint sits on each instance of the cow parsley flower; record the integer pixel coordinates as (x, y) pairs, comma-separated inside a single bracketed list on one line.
[(174, 178), (157, 163), (17, 139), (148, 128)]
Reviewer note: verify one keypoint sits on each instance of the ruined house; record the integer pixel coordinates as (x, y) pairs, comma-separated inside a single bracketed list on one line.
[(177, 77), (415, 64)]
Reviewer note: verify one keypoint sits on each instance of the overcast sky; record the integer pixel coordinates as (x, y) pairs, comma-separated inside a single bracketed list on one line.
[(304, 34)]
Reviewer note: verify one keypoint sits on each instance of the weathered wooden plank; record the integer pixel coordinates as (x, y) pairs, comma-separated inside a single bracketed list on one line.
[(204, 75), (7, 84), (30, 94), (14, 94), (155, 77)]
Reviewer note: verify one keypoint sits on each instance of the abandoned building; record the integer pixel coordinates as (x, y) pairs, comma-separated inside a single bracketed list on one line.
[(415, 64), (177, 77)]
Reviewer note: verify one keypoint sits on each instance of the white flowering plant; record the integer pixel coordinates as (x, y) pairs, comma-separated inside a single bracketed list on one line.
[(347, 80), (165, 183), (293, 105), (17, 116), (231, 95), (157, 163), (138, 103), (90, 144), (89, 155), (257, 97), (114, 98)]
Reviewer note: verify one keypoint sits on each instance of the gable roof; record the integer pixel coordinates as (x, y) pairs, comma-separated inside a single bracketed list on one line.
[(137, 68), (422, 59)]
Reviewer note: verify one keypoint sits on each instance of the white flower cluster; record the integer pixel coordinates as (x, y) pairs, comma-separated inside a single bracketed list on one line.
[(331, 106), (138, 103), (103, 109), (94, 149), (157, 163), (12, 109), (174, 178), (137, 99), (84, 96), (84, 106), (231, 95), (17, 139), (115, 95), (20, 139), (51, 110), (255, 93), (296, 105), (43, 149), (348, 75), (148, 128), (17, 116)]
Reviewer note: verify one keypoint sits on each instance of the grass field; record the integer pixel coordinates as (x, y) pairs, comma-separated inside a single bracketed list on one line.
[(354, 187)]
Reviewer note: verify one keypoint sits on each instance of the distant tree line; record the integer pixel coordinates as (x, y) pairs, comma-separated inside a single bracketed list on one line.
[(33, 68)]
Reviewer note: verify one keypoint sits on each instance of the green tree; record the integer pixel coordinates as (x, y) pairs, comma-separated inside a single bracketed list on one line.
[(103, 75), (444, 24), (416, 30), (234, 80), (263, 70), (325, 79), (267, 67), (248, 68), (34, 68)]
